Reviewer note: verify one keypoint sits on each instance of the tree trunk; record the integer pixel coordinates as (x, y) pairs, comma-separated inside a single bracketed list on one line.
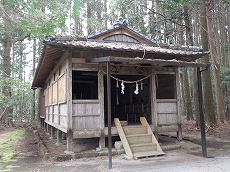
[(89, 15), (6, 76), (183, 97), (196, 96), (33, 114), (105, 14), (223, 35), (188, 96), (196, 27), (215, 61), (208, 93), (188, 25)]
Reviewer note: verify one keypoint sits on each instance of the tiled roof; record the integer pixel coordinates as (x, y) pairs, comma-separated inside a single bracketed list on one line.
[(169, 50)]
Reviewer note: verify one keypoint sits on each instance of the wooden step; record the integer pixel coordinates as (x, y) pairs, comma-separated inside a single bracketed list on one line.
[(134, 130), (145, 147), (138, 141), (139, 138), (148, 154)]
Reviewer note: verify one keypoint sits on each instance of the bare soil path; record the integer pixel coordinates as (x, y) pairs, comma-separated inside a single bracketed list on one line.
[(188, 158)]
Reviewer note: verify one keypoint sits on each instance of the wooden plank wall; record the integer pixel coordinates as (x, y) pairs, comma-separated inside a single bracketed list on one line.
[(166, 112), (55, 96), (86, 115), (122, 38)]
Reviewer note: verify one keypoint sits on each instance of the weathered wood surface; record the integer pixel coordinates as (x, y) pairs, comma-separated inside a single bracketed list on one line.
[(167, 112), (123, 138), (56, 96), (86, 109), (55, 93), (154, 139), (121, 38), (102, 113), (154, 103), (69, 133), (86, 116), (124, 35), (85, 67), (89, 133), (62, 89), (167, 107)]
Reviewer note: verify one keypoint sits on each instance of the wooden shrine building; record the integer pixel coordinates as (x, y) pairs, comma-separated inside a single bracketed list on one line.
[(72, 77)]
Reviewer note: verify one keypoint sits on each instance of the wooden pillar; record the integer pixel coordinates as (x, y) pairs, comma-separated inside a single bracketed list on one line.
[(49, 129), (101, 99), (202, 116), (63, 136), (154, 102), (41, 122), (52, 136), (59, 137), (69, 105), (46, 127), (109, 115), (44, 124), (177, 84)]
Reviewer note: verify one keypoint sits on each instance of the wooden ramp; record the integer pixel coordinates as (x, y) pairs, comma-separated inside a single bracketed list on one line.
[(138, 140)]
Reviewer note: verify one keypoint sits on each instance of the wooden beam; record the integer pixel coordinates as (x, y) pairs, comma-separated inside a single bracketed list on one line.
[(153, 62)]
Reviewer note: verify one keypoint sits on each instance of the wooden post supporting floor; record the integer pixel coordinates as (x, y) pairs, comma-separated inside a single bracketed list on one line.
[(52, 136), (59, 137), (44, 124), (63, 136), (49, 129), (102, 139)]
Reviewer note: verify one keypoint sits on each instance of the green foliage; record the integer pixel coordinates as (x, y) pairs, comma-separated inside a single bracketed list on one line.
[(173, 4), (76, 8), (9, 146), (35, 18), (225, 75), (25, 19), (132, 11), (94, 23), (20, 100)]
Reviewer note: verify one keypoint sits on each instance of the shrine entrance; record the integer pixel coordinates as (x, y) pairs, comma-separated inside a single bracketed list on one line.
[(130, 98)]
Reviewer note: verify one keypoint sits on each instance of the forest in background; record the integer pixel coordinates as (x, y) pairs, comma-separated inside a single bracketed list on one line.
[(24, 24)]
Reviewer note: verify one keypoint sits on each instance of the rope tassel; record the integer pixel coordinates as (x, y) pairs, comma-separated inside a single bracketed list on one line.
[(137, 89), (122, 87)]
